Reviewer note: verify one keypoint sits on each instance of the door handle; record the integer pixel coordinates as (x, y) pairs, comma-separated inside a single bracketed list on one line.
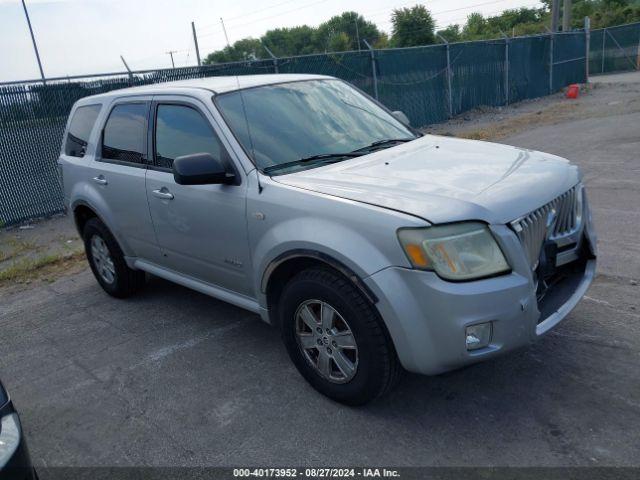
[(100, 180), (163, 193)]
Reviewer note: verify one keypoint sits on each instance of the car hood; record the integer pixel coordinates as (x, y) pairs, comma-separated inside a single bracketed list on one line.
[(443, 179)]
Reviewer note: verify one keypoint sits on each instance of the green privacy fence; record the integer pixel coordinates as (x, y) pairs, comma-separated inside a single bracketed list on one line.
[(429, 84), (615, 49)]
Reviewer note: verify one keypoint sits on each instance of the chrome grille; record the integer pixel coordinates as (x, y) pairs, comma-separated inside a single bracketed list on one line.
[(557, 219)]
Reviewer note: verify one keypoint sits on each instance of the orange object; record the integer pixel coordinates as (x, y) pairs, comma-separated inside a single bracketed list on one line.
[(418, 258), (573, 91)]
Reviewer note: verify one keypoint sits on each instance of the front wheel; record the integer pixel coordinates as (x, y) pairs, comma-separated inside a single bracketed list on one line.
[(336, 338)]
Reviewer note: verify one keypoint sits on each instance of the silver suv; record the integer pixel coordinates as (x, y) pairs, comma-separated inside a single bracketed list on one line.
[(370, 246)]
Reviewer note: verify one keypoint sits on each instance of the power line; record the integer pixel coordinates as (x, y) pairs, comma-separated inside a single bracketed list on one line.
[(463, 8), (266, 18), (210, 25), (278, 15), (455, 21)]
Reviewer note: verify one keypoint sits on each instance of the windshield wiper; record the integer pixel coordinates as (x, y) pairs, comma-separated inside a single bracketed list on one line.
[(381, 143), (322, 158)]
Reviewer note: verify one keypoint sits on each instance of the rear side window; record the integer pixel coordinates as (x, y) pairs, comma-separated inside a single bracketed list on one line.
[(124, 136), (82, 122), (182, 130)]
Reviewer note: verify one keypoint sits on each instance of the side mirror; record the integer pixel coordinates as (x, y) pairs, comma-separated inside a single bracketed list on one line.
[(401, 117), (200, 169)]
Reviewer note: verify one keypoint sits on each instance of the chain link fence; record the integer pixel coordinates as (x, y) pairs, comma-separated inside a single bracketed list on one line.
[(429, 84), (615, 49)]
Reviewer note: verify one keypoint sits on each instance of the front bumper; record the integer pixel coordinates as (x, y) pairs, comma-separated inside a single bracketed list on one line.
[(427, 316)]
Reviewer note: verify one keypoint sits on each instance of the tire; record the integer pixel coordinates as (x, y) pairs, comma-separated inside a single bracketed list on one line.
[(102, 249), (373, 368)]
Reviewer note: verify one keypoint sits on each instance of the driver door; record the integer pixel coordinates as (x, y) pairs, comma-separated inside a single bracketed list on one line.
[(201, 229)]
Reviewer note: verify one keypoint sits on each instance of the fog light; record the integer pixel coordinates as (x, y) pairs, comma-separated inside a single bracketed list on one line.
[(478, 336)]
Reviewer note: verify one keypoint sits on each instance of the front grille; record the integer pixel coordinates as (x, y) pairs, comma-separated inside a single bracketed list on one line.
[(557, 219)]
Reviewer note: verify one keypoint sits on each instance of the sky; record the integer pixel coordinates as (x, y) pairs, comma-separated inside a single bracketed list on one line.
[(77, 37)]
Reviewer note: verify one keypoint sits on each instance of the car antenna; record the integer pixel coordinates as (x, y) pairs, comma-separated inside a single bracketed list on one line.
[(246, 120)]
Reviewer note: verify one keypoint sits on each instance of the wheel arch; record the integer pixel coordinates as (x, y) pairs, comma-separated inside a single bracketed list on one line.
[(83, 211), (284, 267)]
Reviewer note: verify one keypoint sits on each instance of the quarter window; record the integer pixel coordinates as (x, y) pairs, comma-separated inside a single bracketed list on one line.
[(82, 122), (125, 133), (182, 130)]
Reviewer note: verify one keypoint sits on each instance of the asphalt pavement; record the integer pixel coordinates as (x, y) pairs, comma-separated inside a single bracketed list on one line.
[(172, 377)]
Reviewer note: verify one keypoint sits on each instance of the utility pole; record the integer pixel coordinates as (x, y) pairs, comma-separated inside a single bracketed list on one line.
[(195, 42), (33, 39), (555, 15), (566, 16), (587, 47), (170, 53), (357, 33), (225, 32)]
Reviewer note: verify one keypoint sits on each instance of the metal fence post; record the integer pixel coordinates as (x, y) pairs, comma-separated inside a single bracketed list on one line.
[(551, 64), (273, 58), (587, 42), (638, 54), (449, 73), (506, 69), (374, 72), (604, 39)]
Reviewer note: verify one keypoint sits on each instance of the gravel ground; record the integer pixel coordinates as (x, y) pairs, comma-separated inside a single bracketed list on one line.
[(172, 377)]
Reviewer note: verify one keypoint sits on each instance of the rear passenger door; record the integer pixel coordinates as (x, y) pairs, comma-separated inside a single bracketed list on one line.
[(118, 175), (201, 229)]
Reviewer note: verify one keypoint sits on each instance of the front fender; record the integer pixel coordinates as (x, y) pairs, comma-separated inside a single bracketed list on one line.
[(321, 237), (358, 236)]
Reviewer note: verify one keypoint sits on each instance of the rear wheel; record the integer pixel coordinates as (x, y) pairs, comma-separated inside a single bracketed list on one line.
[(336, 338), (107, 261)]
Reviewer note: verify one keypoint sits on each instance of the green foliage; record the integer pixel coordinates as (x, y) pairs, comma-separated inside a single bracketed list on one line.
[(245, 49), (451, 34), (412, 26), (286, 42), (341, 32), (520, 21), (337, 34), (415, 26)]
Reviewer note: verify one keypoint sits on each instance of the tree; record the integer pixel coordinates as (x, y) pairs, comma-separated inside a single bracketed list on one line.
[(412, 26), (284, 42), (245, 49), (354, 27), (475, 28), (451, 33)]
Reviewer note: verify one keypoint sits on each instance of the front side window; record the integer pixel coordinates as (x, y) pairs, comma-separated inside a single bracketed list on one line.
[(182, 130), (124, 137), (82, 122), (284, 123)]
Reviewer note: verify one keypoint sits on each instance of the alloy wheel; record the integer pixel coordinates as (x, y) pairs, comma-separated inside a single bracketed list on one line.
[(102, 259), (326, 341)]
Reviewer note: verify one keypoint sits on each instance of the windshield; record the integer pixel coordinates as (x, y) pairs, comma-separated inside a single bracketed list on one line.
[(284, 123)]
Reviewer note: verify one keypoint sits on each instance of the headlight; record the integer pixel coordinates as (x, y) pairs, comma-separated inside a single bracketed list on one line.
[(459, 251), (4, 398), (9, 437)]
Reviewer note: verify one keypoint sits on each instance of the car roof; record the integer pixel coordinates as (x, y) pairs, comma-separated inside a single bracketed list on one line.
[(214, 84)]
